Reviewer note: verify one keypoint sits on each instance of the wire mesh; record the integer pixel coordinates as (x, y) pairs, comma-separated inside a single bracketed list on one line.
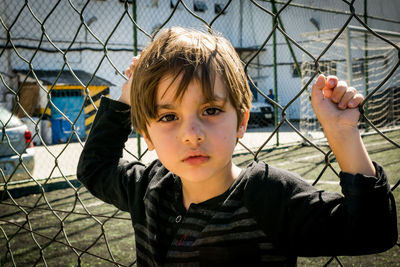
[(58, 57)]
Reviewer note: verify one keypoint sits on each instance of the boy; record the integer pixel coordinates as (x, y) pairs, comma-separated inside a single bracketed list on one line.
[(190, 100)]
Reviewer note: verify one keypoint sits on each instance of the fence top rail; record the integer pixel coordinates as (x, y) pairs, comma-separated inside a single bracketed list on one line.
[(353, 28), (384, 32)]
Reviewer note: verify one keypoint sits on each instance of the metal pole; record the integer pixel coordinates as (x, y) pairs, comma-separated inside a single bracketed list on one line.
[(8, 51), (275, 72), (349, 64), (296, 63), (135, 52), (366, 56), (241, 23), (135, 49)]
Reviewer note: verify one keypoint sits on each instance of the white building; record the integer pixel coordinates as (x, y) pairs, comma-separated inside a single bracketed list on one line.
[(47, 35)]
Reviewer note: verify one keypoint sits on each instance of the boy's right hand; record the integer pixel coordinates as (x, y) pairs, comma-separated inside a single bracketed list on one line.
[(126, 87)]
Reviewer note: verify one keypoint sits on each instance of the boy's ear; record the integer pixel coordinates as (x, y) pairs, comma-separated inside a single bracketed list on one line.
[(243, 124), (149, 144)]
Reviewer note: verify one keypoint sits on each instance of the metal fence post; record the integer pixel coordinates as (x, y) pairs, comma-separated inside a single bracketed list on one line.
[(366, 57), (135, 53), (274, 20)]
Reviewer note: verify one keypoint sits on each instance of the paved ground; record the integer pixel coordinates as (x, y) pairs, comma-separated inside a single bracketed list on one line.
[(57, 159)]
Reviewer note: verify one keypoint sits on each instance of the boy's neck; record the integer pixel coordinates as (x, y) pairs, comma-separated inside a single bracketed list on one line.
[(197, 192)]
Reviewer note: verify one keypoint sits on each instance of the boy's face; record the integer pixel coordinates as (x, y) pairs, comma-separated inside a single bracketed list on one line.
[(194, 138)]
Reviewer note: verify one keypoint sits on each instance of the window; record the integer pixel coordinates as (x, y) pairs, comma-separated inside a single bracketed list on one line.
[(199, 6), (358, 68), (173, 3), (326, 66), (127, 1), (218, 8), (295, 72)]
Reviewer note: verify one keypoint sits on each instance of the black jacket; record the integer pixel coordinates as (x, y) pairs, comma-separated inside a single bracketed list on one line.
[(288, 217)]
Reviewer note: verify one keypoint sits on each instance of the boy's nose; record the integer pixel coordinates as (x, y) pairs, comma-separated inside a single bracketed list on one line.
[(192, 132)]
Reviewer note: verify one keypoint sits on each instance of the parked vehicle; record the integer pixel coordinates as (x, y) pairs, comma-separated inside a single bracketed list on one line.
[(261, 111), (16, 148), (261, 114)]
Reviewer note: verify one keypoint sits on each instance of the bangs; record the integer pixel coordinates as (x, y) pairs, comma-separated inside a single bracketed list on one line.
[(204, 73)]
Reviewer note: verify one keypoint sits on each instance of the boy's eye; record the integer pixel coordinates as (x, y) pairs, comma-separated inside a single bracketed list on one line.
[(167, 118), (211, 111)]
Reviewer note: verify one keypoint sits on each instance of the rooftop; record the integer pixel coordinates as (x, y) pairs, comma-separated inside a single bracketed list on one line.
[(48, 77)]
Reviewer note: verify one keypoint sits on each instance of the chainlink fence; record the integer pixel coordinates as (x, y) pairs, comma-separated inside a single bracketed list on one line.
[(57, 58)]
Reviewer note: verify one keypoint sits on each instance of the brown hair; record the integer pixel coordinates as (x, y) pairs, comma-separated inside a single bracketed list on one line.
[(194, 55)]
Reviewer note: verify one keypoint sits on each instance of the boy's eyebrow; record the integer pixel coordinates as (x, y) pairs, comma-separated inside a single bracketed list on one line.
[(216, 98), (165, 106)]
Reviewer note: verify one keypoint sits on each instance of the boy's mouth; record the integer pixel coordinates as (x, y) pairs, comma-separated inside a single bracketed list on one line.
[(194, 158)]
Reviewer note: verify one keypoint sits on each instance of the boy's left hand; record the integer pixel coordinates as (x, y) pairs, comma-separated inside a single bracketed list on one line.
[(336, 107), (335, 103)]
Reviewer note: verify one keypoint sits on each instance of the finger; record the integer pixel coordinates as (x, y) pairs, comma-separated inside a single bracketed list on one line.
[(132, 66), (331, 81), (356, 101), (133, 63), (318, 86), (339, 91), (128, 72), (348, 95), (135, 60)]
